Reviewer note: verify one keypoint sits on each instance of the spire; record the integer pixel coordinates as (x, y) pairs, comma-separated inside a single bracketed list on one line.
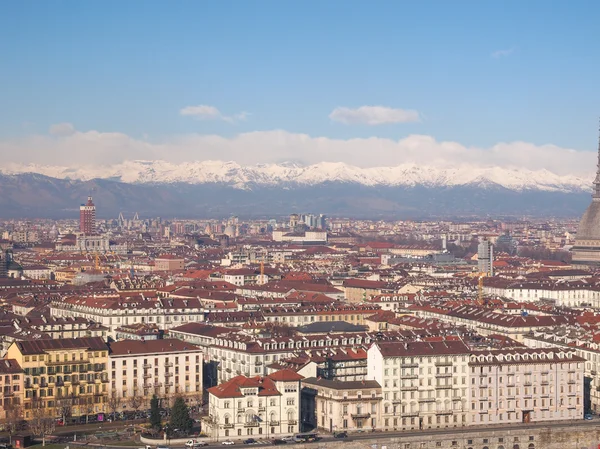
[(596, 194)]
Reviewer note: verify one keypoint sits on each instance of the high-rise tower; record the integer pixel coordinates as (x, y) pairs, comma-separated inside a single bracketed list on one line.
[(586, 250), (87, 217)]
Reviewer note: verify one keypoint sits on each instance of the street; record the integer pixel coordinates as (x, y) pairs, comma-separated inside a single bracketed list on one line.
[(386, 435)]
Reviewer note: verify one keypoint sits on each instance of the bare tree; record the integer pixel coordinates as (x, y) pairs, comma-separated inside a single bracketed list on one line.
[(64, 407), (89, 408), (42, 422), (113, 402), (135, 399), (14, 417)]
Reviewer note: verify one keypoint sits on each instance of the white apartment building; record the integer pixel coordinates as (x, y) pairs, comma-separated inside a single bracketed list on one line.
[(424, 384), (337, 406), (37, 272), (488, 322), (525, 385), (259, 407), (167, 368), (238, 354), (564, 293), (114, 312), (579, 341)]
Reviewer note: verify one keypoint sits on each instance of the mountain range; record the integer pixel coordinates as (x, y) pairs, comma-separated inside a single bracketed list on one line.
[(216, 188)]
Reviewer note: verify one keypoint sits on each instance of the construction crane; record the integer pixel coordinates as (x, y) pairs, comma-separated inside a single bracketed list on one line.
[(480, 288), (480, 276)]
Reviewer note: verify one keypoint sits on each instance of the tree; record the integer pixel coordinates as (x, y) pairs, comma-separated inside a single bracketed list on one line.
[(155, 421), (135, 400), (113, 403), (42, 422), (180, 416), (64, 407), (14, 416)]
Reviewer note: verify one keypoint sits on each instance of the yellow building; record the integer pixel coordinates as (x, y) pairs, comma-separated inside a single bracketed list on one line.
[(68, 377)]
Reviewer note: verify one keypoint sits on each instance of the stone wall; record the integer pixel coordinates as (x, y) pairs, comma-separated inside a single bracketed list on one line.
[(555, 437)]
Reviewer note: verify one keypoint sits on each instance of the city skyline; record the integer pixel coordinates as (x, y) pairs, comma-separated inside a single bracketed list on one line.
[(506, 85)]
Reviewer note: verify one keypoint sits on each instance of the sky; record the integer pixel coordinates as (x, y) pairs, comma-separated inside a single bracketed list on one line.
[(369, 83)]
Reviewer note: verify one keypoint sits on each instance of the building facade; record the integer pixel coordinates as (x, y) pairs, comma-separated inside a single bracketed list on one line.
[(424, 384), (165, 368), (260, 407), (11, 388), (341, 405), (67, 376), (87, 217)]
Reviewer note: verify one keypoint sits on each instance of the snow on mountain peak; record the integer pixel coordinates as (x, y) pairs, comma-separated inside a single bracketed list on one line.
[(293, 173)]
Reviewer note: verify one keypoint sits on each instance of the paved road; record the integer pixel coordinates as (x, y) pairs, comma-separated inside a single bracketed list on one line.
[(444, 433)]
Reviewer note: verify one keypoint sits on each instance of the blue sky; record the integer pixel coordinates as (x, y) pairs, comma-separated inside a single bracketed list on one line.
[(478, 73)]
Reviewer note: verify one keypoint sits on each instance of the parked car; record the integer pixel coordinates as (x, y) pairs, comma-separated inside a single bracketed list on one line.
[(250, 441), (195, 443), (588, 416), (340, 435), (227, 443), (162, 447), (278, 441), (286, 439)]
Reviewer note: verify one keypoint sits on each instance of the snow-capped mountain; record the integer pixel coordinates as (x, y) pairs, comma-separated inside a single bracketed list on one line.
[(288, 174)]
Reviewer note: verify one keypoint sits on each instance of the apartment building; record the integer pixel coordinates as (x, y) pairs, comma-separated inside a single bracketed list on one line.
[(525, 385), (240, 354), (300, 316), (143, 368), (266, 407), (63, 374), (424, 384), (488, 322), (581, 341), (114, 312), (11, 386), (341, 405)]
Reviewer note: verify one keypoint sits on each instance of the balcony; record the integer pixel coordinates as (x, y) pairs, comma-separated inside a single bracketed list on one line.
[(228, 426), (409, 414), (440, 363), (443, 387), (147, 366), (360, 415), (443, 375), (168, 374), (251, 424), (427, 400), (274, 423), (410, 376), (444, 412), (258, 363), (527, 384), (545, 382), (409, 388), (262, 409), (409, 365), (571, 381), (168, 364), (292, 422), (147, 375)]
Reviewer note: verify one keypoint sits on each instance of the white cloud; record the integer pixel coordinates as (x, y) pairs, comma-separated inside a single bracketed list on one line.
[(205, 112), (61, 129), (502, 53), (373, 115), (94, 147)]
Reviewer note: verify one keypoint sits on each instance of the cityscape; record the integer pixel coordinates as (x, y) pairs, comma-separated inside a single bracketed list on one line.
[(313, 224)]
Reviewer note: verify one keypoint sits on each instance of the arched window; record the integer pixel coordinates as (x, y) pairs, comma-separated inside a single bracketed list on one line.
[(291, 415)]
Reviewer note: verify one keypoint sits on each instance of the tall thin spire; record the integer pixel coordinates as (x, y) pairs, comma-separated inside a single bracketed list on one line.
[(596, 194)]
